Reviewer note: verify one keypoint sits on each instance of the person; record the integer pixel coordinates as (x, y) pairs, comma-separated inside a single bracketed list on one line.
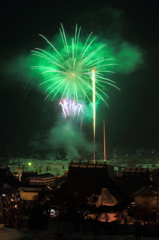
[(137, 225), (125, 220)]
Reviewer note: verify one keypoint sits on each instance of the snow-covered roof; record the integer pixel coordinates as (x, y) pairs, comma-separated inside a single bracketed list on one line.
[(30, 189), (107, 198), (151, 189)]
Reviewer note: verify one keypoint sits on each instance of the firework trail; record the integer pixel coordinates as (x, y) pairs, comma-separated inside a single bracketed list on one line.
[(69, 71), (94, 108), (104, 140), (71, 109)]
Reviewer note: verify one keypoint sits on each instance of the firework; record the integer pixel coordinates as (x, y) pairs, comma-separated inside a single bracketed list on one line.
[(69, 70), (70, 109), (94, 107)]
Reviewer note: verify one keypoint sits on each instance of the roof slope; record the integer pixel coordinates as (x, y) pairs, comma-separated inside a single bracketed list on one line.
[(7, 177), (92, 179)]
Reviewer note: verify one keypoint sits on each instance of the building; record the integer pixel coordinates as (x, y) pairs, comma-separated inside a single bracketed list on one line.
[(42, 179), (8, 186), (25, 177), (32, 193), (133, 179), (93, 182), (146, 203), (141, 174)]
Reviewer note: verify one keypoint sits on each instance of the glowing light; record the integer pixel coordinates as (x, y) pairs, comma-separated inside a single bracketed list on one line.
[(29, 163), (104, 142), (94, 107), (71, 109), (94, 101), (68, 71)]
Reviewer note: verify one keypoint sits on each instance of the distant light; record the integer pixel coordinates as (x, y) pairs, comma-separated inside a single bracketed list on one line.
[(29, 163)]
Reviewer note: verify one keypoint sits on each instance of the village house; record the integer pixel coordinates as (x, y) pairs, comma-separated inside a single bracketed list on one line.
[(146, 203), (42, 179), (33, 192), (93, 182)]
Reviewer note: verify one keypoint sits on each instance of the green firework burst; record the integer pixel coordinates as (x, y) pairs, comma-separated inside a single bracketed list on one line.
[(69, 70)]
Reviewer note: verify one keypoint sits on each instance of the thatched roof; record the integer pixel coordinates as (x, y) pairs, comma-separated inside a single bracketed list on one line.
[(90, 179)]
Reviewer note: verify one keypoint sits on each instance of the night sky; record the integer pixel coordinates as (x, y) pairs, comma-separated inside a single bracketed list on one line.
[(132, 118)]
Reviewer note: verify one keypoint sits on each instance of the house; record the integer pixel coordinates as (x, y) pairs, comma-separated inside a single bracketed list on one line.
[(42, 179), (34, 192), (146, 203), (137, 173), (9, 192), (7, 177), (26, 175), (93, 182), (114, 170), (8, 186), (134, 179)]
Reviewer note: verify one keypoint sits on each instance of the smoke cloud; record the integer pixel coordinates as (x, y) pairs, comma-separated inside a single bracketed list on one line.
[(70, 139), (126, 57)]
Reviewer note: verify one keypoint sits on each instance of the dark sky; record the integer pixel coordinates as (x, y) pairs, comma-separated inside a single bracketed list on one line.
[(132, 118)]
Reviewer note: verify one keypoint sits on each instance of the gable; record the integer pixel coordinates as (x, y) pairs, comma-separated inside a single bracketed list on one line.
[(145, 193)]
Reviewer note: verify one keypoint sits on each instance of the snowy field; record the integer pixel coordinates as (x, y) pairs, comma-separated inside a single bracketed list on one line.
[(41, 166), (54, 166)]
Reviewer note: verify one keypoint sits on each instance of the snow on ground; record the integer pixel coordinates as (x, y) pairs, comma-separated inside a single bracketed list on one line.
[(67, 232), (45, 166), (12, 234), (42, 166), (53, 166)]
